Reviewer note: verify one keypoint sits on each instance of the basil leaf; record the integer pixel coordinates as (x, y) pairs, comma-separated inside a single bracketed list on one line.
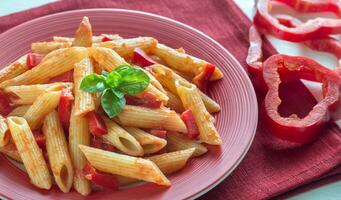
[(133, 81), (105, 73), (112, 102), (93, 83), (113, 79)]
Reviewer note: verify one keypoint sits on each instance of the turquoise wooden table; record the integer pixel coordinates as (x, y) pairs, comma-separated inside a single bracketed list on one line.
[(326, 189)]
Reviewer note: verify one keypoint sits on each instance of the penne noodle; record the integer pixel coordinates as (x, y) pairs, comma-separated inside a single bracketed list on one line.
[(44, 104), (11, 151), (29, 152), (19, 111), (167, 78), (183, 62), (167, 162), (191, 99), (119, 164), (58, 152), (95, 39), (176, 142), (83, 35), (154, 81), (157, 94), (27, 94), (79, 134), (54, 64), (84, 101), (125, 47), (47, 47), (4, 137), (108, 59), (150, 143), (97, 99), (174, 102), (14, 69), (141, 117), (121, 139)]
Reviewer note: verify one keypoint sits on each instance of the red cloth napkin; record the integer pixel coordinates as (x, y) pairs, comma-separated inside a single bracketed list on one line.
[(266, 171)]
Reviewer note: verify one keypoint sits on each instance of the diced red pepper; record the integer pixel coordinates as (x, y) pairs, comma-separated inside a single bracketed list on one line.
[(65, 77), (40, 139), (293, 128), (145, 99), (99, 143), (5, 106), (159, 133), (64, 108), (102, 179), (141, 58), (96, 124), (202, 79), (106, 39), (192, 128), (312, 29), (33, 59)]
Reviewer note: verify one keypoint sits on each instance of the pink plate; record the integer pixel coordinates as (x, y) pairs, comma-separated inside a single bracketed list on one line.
[(236, 122)]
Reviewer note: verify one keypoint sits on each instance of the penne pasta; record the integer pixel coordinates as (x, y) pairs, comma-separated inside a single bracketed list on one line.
[(19, 111), (153, 91), (167, 78), (191, 99), (141, 117), (176, 142), (58, 152), (174, 102), (11, 151), (29, 152), (47, 47), (84, 101), (150, 143), (95, 39), (108, 59), (183, 62), (14, 69), (79, 134), (133, 167), (27, 94), (4, 137), (121, 139), (55, 63), (44, 104), (125, 47), (83, 35), (167, 162)]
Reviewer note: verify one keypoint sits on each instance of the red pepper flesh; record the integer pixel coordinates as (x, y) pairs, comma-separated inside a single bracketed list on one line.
[(201, 80), (145, 99), (102, 179), (141, 58), (33, 59), (64, 108), (99, 143), (292, 128), (40, 139), (192, 128), (96, 124), (159, 133)]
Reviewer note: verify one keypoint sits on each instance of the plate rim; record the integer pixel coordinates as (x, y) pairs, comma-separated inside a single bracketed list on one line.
[(253, 96)]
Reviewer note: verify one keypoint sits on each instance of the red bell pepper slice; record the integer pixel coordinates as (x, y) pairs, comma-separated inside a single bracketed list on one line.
[(159, 133), (192, 128), (145, 99), (106, 39), (5, 106), (255, 54), (33, 59), (64, 108), (201, 80), (40, 139), (102, 179), (293, 128), (315, 28), (65, 77), (99, 143), (97, 126), (141, 58)]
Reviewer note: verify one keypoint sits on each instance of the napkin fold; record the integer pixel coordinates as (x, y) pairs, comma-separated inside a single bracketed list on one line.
[(267, 170)]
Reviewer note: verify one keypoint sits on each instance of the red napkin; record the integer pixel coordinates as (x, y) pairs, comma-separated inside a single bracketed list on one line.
[(266, 171)]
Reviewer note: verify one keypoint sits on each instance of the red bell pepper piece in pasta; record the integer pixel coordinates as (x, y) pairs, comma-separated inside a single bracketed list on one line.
[(5, 106), (312, 29), (293, 128), (145, 99), (64, 108), (106, 39), (33, 59), (96, 124), (40, 139), (192, 128), (99, 143), (201, 80), (141, 58), (159, 133), (102, 179), (65, 77)]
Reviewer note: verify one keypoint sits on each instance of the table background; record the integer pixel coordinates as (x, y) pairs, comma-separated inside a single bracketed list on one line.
[(326, 189)]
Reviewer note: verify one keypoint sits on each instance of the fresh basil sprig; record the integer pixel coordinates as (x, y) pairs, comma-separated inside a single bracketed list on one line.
[(114, 85)]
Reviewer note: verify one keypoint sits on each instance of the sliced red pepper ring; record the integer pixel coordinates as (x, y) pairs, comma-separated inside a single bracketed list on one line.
[(255, 54), (201, 80), (102, 179), (292, 128), (315, 28)]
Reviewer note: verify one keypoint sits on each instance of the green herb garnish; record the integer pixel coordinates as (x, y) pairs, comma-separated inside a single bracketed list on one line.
[(114, 85)]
